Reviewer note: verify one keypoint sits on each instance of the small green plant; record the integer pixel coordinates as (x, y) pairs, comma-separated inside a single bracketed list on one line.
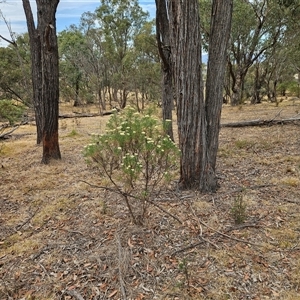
[(238, 210), (243, 144), (73, 133), (137, 157), (183, 267), (10, 111)]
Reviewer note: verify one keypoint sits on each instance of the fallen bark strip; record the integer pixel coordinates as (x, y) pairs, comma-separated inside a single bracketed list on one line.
[(261, 122)]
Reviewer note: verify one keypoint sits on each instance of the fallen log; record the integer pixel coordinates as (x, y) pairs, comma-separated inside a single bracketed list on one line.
[(78, 115), (86, 115), (261, 122)]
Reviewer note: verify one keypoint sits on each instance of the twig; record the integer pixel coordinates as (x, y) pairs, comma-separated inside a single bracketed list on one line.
[(276, 115), (121, 281), (2, 135), (246, 225), (188, 248), (242, 226), (200, 228), (209, 242), (46, 272), (118, 191), (18, 227), (229, 237)]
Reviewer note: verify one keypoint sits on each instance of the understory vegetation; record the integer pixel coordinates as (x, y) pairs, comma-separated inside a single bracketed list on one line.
[(63, 237)]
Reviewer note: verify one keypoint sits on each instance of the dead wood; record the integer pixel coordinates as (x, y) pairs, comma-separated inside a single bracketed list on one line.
[(261, 122), (87, 115), (78, 115), (5, 134)]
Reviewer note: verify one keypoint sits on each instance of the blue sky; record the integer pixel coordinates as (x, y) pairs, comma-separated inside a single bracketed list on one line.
[(68, 12)]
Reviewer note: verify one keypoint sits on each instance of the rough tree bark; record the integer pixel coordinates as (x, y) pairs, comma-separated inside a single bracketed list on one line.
[(198, 120), (217, 52), (36, 69), (45, 74), (164, 49), (186, 55)]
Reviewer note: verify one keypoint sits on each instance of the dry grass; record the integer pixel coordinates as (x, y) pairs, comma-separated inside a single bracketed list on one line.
[(62, 239)]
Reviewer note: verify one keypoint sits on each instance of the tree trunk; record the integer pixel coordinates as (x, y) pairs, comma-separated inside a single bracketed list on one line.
[(236, 98), (164, 49), (198, 120), (50, 92), (217, 57), (77, 87), (45, 73), (187, 70), (36, 69)]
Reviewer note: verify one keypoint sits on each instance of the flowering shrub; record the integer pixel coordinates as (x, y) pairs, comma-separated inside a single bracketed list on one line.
[(136, 155)]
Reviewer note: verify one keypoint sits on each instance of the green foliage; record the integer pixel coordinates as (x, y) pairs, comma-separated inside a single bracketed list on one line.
[(15, 71), (136, 155), (238, 210), (73, 133), (11, 112)]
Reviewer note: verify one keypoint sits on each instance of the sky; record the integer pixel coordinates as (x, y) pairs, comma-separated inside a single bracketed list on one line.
[(68, 12)]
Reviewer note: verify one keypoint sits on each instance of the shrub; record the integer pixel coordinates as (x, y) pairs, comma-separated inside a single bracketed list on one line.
[(136, 155), (10, 112), (238, 210)]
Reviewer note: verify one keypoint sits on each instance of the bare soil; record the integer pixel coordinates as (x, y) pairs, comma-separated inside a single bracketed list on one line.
[(61, 238)]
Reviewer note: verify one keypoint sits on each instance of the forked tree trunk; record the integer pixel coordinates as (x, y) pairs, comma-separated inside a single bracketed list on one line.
[(198, 120), (45, 73)]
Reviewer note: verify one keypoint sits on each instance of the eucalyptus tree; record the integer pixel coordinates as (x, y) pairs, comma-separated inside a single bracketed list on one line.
[(45, 74), (198, 119), (15, 70), (257, 27), (71, 48), (120, 21), (275, 68), (145, 69)]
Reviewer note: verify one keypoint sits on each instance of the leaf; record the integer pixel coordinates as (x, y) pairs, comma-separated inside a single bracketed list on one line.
[(140, 297), (130, 244)]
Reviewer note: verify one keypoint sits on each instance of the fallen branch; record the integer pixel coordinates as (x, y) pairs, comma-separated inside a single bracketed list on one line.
[(84, 115), (18, 227), (261, 122), (3, 134), (87, 115)]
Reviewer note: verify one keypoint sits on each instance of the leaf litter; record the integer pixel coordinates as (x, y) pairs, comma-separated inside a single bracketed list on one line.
[(63, 239)]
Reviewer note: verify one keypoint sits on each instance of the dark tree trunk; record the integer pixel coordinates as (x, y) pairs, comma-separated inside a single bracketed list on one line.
[(217, 57), (77, 87), (45, 73), (164, 49)]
